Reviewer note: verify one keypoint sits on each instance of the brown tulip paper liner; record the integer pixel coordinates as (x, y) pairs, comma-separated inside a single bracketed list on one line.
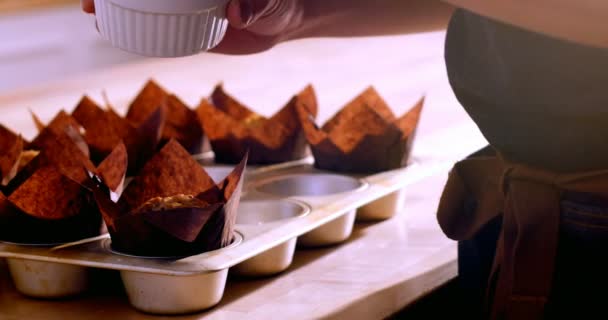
[(61, 124), (47, 202), (7, 139), (233, 129), (181, 123), (105, 129), (11, 156), (172, 208), (364, 137)]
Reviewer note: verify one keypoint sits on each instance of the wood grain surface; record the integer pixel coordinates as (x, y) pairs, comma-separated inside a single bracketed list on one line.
[(23, 5)]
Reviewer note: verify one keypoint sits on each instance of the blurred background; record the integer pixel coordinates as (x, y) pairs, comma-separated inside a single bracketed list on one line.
[(42, 40), (51, 54)]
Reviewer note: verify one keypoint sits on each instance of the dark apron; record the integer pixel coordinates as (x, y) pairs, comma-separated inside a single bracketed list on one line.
[(533, 243), (532, 231)]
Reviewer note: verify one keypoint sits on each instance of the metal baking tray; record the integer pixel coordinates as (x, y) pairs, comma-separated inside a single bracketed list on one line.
[(283, 206)]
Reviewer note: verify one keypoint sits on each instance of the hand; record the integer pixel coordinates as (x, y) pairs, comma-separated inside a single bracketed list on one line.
[(258, 25), (255, 25)]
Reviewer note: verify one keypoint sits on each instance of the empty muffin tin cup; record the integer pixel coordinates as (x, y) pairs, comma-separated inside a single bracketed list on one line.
[(278, 258), (383, 208), (310, 185), (167, 294), (331, 233), (318, 185), (49, 280), (270, 262)]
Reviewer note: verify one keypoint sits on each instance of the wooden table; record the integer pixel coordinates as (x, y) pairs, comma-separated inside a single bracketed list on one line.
[(384, 266), (19, 5)]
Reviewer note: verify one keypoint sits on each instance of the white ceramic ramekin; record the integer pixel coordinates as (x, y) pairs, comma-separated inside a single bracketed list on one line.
[(162, 28)]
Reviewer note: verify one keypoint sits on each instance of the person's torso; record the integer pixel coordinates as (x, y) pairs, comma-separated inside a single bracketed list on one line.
[(537, 99)]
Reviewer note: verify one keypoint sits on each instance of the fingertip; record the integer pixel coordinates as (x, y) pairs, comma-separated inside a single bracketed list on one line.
[(242, 42), (88, 6), (233, 13), (240, 13)]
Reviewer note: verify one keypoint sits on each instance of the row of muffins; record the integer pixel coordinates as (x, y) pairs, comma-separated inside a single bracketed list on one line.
[(52, 193), (363, 137), (55, 188)]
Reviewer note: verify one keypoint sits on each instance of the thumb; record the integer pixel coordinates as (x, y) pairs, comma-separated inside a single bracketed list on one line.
[(243, 13), (88, 6)]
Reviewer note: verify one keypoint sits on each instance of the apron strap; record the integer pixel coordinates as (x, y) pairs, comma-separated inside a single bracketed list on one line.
[(482, 188)]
